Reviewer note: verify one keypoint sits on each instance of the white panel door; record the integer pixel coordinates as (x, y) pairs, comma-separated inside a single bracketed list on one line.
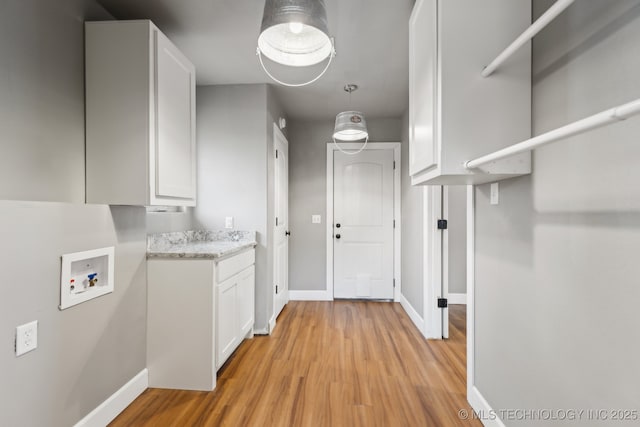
[(281, 200), (175, 129), (363, 225)]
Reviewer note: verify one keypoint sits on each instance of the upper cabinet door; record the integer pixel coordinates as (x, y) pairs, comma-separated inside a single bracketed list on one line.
[(422, 86), (175, 125), (140, 117)]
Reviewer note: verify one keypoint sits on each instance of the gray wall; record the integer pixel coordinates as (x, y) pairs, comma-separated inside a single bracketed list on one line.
[(232, 171), (42, 87), (457, 234), (89, 351), (557, 261), (308, 195), (412, 230)]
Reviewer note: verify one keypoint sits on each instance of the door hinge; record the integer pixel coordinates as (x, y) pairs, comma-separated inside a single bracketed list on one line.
[(442, 303), (394, 165), (276, 221), (276, 289), (442, 224), (276, 154), (394, 283), (394, 223)]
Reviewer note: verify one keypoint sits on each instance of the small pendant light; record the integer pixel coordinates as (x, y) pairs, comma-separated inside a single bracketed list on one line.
[(350, 125), (295, 33)]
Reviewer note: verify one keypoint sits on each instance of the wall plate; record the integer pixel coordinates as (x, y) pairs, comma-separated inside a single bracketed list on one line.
[(86, 275)]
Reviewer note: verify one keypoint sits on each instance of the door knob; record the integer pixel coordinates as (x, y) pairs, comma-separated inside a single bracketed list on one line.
[(337, 236), (287, 233)]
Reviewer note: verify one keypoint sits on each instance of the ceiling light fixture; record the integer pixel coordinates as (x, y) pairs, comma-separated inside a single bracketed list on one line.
[(295, 33), (350, 125)]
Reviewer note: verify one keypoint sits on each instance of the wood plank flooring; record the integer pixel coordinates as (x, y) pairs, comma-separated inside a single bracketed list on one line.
[(338, 363)]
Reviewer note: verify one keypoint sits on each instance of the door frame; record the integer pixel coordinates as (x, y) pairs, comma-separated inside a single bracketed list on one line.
[(397, 212), (277, 134)]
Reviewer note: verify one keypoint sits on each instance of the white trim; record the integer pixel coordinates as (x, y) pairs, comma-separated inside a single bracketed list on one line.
[(277, 134), (310, 295), (412, 313), (272, 323), (481, 407), (474, 397), (397, 238), (432, 253), (444, 257), (458, 299), (108, 410)]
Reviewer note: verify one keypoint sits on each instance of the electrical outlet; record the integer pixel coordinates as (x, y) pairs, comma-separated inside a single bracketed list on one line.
[(228, 222), (26, 338), (316, 219), (495, 193)]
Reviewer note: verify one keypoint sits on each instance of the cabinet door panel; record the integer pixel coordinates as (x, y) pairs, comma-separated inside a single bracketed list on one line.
[(226, 325), (423, 44), (175, 112), (246, 284)]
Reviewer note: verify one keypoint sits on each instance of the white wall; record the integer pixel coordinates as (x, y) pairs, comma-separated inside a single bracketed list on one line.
[(308, 195), (557, 260)]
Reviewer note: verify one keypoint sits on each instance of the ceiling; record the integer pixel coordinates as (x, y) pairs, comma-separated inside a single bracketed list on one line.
[(220, 37)]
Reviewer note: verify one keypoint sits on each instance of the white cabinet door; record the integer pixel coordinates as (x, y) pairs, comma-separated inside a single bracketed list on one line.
[(226, 320), (175, 124), (140, 117), (423, 86), (245, 308)]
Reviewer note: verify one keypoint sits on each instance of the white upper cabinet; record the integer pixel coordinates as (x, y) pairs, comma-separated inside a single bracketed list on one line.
[(455, 114), (140, 118)]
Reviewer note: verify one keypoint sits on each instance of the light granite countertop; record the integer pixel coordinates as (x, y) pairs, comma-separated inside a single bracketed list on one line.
[(199, 244)]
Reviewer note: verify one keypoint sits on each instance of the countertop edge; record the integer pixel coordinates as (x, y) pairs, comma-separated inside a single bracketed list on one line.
[(201, 255)]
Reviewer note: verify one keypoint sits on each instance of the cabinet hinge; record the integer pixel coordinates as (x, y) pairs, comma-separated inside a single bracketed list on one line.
[(276, 154), (394, 223), (442, 224), (394, 165), (442, 303), (276, 221), (276, 289), (394, 283)]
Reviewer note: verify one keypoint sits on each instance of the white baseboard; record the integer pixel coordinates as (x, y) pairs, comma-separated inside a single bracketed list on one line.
[(412, 313), (108, 410), (310, 295), (457, 299), (487, 415), (272, 324)]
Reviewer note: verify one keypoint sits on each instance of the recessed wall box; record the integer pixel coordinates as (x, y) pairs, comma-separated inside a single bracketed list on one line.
[(86, 275)]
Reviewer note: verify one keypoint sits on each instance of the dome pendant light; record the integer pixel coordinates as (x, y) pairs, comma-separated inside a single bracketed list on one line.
[(350, 125), (295, 33)]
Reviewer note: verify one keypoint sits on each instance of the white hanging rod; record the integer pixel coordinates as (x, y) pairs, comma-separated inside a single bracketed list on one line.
[(551, 13), (604, 118)]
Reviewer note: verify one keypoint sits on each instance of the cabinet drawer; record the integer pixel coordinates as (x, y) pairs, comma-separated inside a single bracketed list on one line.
[(230, 266)]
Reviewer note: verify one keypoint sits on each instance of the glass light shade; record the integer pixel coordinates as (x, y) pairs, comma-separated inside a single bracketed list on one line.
[(295, 32), (350, 126)]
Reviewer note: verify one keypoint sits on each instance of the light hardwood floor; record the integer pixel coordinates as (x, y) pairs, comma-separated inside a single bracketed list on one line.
[(327, 364)]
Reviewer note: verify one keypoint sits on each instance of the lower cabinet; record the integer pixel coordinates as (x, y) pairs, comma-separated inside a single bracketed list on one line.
[(235, 312), (198, 312)]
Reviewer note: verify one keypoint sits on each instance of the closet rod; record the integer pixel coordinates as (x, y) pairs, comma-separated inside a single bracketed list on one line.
[(604, 118), (551, 13)]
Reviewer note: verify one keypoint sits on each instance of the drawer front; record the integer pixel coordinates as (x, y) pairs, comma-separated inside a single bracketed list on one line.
[(234, 265)]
